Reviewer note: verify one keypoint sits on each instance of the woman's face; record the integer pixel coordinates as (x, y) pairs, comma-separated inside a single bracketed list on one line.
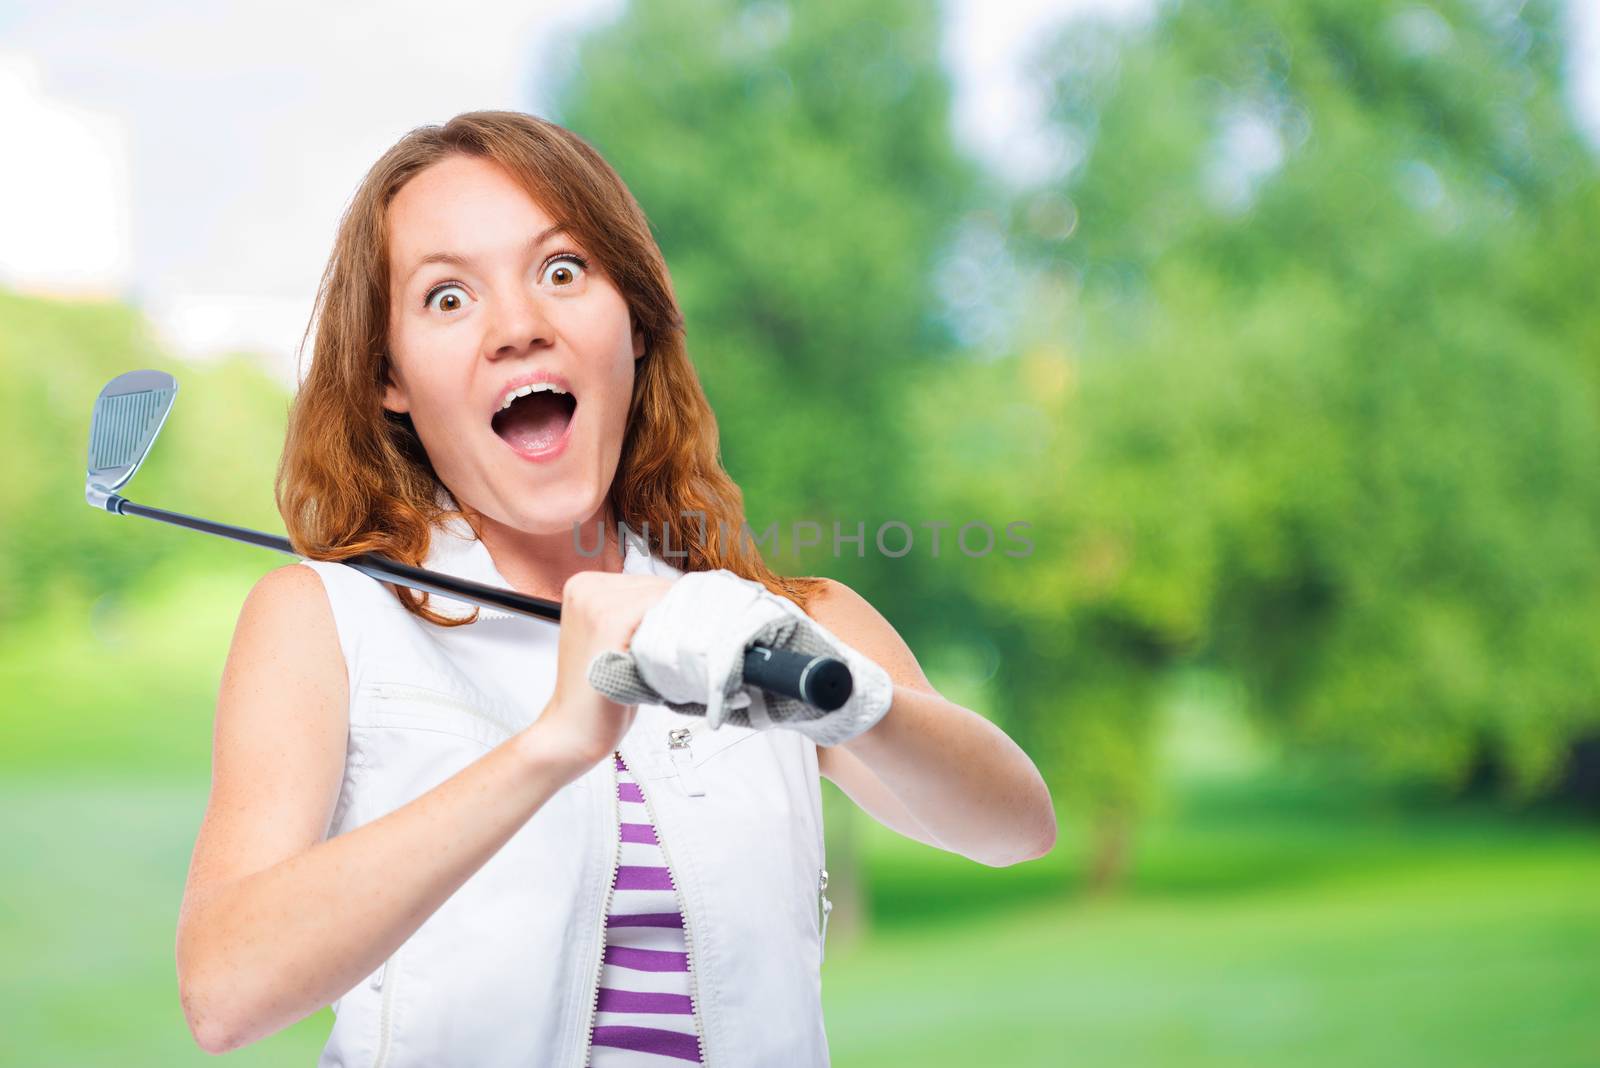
[(518, 306)]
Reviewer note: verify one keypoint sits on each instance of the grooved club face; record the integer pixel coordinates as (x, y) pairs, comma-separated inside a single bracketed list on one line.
[(128, 415)]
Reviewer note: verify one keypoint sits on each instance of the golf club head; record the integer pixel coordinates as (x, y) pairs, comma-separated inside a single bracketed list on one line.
[(128, 414)]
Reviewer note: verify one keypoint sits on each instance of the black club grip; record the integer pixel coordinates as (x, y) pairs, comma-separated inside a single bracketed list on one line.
[(817, 680)]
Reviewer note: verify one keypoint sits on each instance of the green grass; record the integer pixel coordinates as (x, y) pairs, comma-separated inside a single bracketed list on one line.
[(1480, 947), (1258, 927)]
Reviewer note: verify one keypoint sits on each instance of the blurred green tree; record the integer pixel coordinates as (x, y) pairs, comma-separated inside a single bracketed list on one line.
[(1307, 354)]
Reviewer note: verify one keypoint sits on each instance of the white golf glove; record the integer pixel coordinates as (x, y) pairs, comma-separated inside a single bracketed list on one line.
[(688, 654)]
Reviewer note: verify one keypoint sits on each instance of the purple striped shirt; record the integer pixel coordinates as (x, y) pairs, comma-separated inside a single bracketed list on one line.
[(644, 1012)]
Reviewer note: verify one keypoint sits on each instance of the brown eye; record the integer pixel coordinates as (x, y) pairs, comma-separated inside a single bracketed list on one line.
[(563, 270), (444, 292)]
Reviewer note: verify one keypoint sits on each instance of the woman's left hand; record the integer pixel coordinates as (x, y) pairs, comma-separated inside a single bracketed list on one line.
[(688, 653)]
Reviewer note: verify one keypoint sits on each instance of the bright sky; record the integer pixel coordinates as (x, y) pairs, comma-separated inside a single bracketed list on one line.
[(195, 158)]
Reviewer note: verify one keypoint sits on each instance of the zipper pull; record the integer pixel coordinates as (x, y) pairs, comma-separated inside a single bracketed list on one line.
[(824, 906), (377, 976), (683, 761)]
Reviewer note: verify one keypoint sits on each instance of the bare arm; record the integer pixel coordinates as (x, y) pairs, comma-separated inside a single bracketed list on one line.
[(268, 932), (931, 769), (846, 771)]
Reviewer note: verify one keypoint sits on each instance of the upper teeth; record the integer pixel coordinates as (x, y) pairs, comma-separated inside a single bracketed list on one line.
[(531, 387)]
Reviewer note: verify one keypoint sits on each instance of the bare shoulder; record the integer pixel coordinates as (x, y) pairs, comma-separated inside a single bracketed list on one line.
[(286, 617), (854, 621), (285, 587), (286, 661), (287, 620), (289, 581)]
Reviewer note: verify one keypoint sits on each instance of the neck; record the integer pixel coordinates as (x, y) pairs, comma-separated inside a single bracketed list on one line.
[(540, 564)]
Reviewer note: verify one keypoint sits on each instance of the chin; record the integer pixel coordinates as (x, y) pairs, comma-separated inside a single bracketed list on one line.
[(555, 512)]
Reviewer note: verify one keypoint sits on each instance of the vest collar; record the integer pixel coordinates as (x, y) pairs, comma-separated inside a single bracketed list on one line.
[(454, 549)]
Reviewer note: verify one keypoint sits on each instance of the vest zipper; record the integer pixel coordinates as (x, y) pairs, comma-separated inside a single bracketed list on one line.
[(824, 907), (393, 690), (688, 933), (386, 1012), (605, 910)]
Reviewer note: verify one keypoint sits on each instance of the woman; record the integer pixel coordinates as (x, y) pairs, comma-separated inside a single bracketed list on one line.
[(430, 817)]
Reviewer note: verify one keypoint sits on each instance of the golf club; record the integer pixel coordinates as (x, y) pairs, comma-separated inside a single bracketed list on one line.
[(132, 408)]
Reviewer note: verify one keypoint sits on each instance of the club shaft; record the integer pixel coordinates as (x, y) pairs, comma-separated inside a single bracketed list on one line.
[(821, 681)]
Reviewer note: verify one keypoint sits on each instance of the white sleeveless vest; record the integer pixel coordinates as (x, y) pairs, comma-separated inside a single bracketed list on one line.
[(504, 972)]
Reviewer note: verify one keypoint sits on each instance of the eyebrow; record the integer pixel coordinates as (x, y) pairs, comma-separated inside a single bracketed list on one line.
[(458, 260)]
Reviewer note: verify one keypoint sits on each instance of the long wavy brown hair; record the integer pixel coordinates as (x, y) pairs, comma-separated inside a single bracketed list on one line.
[(354, 477)]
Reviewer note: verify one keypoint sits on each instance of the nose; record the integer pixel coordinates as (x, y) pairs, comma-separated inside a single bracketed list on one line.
[(520, 324)]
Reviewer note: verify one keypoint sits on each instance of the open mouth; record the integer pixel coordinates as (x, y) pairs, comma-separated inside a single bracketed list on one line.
[(536, 422)]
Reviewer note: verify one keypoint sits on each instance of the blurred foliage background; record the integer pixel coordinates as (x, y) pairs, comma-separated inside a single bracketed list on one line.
[(1291, 371)]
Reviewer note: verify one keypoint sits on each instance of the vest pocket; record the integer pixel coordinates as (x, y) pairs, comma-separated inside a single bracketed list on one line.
[(691, 742), (682, 749)]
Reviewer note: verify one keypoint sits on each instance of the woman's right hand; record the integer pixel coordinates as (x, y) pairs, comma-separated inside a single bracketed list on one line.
[(600, 610)]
